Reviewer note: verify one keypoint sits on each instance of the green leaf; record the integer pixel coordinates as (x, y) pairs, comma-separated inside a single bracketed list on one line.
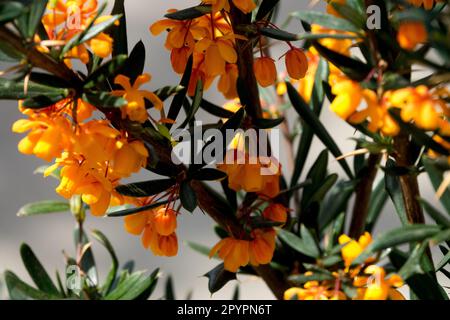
[(203, 250), (169, 292), (424, 286), (320, 193), (354, 69), (119, 34), (357, 17), (298, 244), (133, 286), (187, 196), (394, 190), (268, 123), (179, 98), (336, 203), (396, 237), (325, 20), (278, 34), (100, 237), (266, 8), (19, 290), (209, 174), (189, 13), (9, 54), (106, 71), (377, 202), (445, 260), (309, 117), (10, 10), (130, 211), (218, 278), (215, 110), (301, 279), (436, 177), (28, 22), (104, 100), (135, 64), (87, 263), (14, 90), (145, 188), (166, 92), (310, 241), (42, 101), (316, 175), (195, 104), (43, 207), (434, 213), (37, 272)]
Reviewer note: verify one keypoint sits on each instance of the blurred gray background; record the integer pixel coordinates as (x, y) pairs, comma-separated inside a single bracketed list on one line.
[(49, 235)]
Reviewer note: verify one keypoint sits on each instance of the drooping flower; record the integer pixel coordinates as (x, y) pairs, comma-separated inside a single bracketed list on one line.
[(156, 227), (265, 71), (252, 174), (130, 158), (276, 212), (233, 252), (410, 34), (262, 246), (296, 63)]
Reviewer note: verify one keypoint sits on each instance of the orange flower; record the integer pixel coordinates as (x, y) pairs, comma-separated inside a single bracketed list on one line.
[(262, 247), (260, 175), (218, 52), (419, 105), (275, 212), (136, 109), (234, 253), (410, 34), (348, 96), (48, 136), (378, 286), (157, 227), (165, 221), (265, 71), (130, 158), (352, 248), (296, 63), (66, 19), (228, 81)]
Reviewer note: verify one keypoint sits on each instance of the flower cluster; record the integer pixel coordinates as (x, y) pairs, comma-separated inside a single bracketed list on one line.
[(211, 41), (67, 19), (157, 227), (256, 249), (368, 281)]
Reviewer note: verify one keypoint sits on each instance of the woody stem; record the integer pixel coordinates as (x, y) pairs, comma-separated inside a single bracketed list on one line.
[(38, 59), (363, 195), (250, 97)]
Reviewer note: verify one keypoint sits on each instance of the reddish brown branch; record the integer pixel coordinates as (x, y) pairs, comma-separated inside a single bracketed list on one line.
[(363, 195)]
